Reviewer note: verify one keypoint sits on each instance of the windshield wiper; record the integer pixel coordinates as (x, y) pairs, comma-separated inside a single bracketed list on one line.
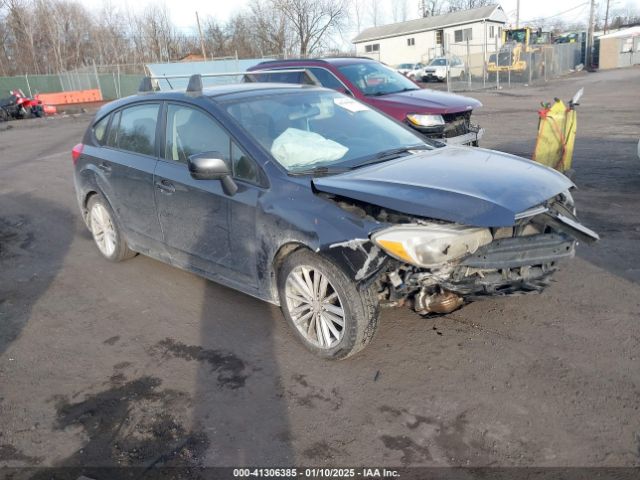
[(391, 154), (379, 94), (320, 171)]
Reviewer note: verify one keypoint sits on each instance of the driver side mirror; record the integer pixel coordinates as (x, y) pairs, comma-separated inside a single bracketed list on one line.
[(211, 166), (344, 91)]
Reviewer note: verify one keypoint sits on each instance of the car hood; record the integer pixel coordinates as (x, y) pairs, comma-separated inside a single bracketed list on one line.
[(466, 185), (426, 100)]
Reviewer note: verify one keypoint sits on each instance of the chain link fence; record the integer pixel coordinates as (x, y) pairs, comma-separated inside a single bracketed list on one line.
[(463, 66), (476, 66), (113, 81)]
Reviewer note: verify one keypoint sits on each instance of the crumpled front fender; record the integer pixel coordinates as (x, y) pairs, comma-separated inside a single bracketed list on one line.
[(360, 258)]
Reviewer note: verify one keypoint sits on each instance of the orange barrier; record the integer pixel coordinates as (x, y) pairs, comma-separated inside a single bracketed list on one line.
[(65, 98)]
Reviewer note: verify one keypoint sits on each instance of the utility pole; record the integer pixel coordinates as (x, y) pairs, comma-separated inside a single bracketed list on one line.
[(204, 53), (518, 14), (606, 18), (589, 52)]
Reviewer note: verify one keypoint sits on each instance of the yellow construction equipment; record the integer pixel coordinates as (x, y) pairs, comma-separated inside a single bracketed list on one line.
[(557, 133), (522, 53)]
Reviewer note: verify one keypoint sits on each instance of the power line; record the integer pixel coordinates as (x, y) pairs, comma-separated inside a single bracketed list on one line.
[(557, 14)]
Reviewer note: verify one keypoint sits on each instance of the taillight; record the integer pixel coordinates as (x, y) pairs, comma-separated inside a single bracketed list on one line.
[(76, 152)]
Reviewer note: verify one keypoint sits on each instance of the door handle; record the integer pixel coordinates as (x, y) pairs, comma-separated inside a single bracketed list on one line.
[(104, 166), (165, 186)]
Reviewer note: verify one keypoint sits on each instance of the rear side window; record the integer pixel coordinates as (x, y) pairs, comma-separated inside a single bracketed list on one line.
[(327, 79), (287, 77), (136, 129), (280, 77), (100, 130)]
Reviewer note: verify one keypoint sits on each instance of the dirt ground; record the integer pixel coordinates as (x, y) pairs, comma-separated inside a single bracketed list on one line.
[(139, 363)]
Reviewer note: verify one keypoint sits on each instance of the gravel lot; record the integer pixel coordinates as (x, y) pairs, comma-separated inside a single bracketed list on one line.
[(139, 363)]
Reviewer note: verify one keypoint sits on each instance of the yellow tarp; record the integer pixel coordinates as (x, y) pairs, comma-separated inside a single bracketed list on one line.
[(556, 136)]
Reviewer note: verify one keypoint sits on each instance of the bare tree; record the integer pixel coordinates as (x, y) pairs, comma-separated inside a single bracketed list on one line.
[(241, 37), (375, 12), (216, 38), (313, 20), (399, 10), (431, 8), (269, 26), (357, 10), (626, 15), (157, 32), (23, 31), (455, 5), (111, 40), (51, 36)]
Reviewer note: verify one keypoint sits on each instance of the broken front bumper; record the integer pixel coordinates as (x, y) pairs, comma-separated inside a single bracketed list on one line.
[(519, 264), (519, 260), (456, 131), (466, 139), (511, 265)]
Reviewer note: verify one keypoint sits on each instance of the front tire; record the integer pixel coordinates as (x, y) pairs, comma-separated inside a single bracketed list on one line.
[(105, 231), (328, 311)]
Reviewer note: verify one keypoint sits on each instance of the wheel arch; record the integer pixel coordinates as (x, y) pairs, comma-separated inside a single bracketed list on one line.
[(283, 252), (92, 192)]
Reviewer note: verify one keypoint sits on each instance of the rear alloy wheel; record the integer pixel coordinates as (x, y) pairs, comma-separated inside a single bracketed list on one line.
[(105, 231), (328, 312)]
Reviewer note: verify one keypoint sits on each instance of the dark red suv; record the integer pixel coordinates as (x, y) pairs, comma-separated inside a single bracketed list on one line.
[(440, 115)]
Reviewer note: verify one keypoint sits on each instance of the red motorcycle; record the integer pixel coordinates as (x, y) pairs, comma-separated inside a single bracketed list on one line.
[(17, 105)]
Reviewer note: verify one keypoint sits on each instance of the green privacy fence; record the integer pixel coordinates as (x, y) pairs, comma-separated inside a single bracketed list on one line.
[(112, 85), (30, 84), (118, 86)]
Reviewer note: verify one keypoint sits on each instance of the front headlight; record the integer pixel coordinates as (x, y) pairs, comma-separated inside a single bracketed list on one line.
[(425, 120), (430, 246)]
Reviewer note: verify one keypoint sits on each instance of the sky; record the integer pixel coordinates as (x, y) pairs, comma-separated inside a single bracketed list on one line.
[(183, 11)]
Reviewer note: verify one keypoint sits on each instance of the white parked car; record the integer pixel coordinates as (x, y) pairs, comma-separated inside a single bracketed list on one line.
[(437, 69), (412, 70)]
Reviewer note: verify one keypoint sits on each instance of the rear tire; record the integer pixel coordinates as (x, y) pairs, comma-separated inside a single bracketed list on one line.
[(314, 292), (106, 233)]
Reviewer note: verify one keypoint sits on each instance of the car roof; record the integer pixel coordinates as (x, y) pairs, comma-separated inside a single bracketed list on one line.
[(315, 61), (230, 91)]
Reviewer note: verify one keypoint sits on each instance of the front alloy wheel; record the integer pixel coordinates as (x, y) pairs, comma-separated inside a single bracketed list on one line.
[(315, 307), (330, 313)]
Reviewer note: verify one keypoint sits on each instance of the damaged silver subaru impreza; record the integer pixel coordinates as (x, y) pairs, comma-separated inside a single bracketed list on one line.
[(313, 201)]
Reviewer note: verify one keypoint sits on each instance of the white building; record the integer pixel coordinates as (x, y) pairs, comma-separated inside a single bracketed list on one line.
[(620, 48), (469, 34)]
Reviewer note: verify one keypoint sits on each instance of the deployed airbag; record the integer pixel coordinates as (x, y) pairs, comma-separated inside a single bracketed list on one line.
[(299, 148)]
